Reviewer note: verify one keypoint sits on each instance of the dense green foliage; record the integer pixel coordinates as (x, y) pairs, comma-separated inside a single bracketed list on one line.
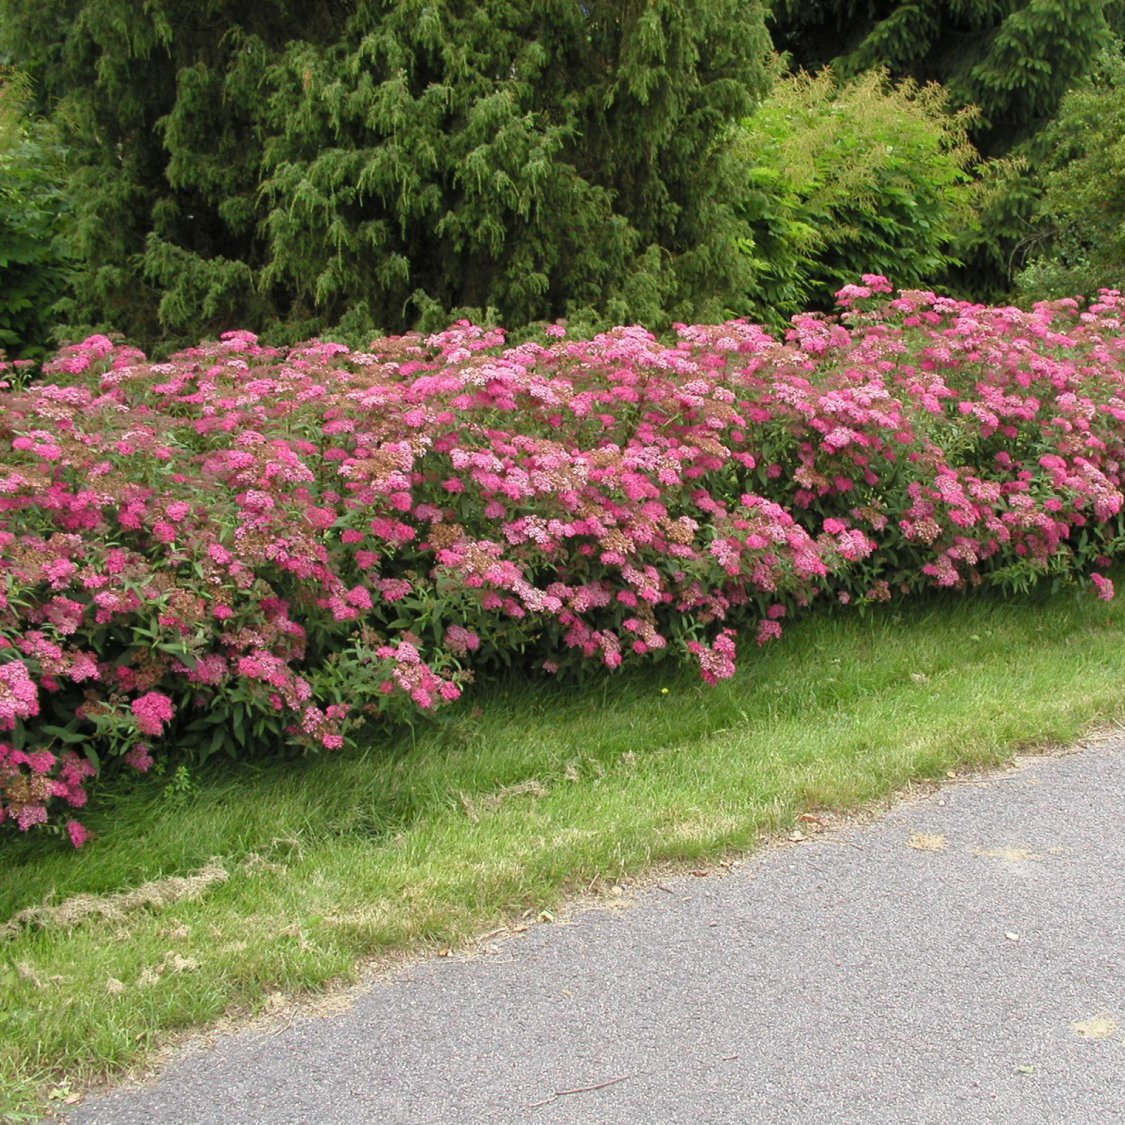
[(1014, 59), (1079, 243), (31, 274), (862, 172), (326, 166), (346, 169)]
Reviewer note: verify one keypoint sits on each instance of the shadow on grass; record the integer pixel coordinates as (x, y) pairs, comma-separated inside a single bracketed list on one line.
[(521, 727)]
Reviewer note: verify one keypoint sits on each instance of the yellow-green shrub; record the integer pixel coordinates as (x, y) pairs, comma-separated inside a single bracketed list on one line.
[(31, 275), (863, 176)]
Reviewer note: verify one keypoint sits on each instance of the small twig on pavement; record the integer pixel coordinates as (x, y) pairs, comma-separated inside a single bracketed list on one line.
[(582, 1089)]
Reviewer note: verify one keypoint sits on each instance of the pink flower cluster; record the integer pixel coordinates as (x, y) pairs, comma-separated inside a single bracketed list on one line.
[(19, 697), (245, 546), (410, 674), (153, 711)]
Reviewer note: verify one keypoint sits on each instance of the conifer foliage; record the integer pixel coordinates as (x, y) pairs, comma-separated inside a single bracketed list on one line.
[(358, 165)]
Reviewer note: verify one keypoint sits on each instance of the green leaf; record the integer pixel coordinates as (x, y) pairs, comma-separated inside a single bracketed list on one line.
[(65, 734)]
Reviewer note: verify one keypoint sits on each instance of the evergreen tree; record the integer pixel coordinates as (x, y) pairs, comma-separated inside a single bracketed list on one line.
[(1078, 245), (363, 165)]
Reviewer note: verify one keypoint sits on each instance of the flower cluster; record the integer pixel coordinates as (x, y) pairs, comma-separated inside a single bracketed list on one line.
[(245, 547)]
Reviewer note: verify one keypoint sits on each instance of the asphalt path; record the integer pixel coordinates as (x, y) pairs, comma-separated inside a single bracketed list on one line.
[(959, 959)]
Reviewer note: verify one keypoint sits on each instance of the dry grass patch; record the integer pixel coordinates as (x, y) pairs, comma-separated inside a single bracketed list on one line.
[(476, 806), (153, 895)]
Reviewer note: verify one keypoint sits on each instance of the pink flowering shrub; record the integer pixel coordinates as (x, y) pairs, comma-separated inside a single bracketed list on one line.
[(248, 548)]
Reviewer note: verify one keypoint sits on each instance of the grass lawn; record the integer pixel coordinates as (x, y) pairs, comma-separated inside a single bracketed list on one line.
[(205, 893)]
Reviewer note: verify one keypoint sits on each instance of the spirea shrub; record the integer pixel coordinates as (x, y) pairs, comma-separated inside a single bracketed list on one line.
[(245, 548)]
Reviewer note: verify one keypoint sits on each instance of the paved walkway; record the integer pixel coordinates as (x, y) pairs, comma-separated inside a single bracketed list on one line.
[(960, 960)]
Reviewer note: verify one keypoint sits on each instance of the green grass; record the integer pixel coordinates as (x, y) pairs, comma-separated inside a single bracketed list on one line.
[(522, 796)]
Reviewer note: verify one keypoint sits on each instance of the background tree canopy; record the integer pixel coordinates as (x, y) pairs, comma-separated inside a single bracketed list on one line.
[(1012, 59), (356, 166), (346, 167)]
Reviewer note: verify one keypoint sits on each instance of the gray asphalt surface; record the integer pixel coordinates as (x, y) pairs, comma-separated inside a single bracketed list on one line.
[(850, 978)]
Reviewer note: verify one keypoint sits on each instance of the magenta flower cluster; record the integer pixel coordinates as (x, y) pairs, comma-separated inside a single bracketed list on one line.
[(245, 547)]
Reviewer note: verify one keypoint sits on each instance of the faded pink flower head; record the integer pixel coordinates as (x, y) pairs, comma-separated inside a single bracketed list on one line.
[(1104, 587)]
